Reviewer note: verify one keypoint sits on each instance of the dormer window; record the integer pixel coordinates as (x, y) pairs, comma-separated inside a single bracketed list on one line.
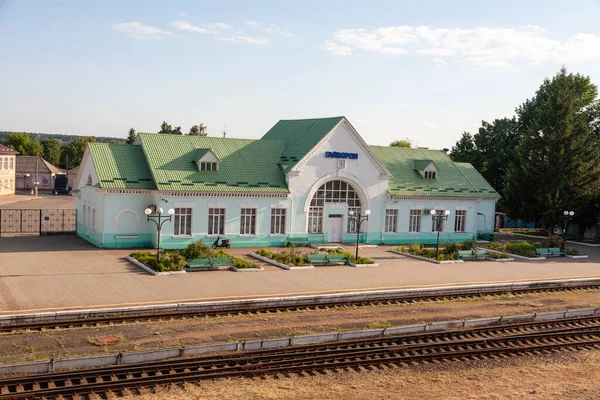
[(426, 168), (430, 175), (89, 180), (208, 166), (206, 160)]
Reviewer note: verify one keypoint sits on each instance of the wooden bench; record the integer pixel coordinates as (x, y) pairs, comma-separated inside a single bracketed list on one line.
[(220, 262), (472, 254), (336, 258), (198, 264), (550, 252), (297, 241), (317, 259)]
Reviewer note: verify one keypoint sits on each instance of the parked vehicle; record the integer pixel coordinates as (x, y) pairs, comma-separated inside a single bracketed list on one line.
[(224, 243), (65, 191)]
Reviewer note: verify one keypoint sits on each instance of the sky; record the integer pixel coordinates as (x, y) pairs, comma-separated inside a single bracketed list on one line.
[(426, 71)]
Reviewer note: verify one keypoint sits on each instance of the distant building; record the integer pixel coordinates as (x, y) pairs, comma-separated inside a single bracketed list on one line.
[(304, 179), (72, 176), (7, 170), (29, 167)]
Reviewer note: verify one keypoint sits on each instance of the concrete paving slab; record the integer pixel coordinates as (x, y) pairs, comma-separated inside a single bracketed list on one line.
[(66, 272)]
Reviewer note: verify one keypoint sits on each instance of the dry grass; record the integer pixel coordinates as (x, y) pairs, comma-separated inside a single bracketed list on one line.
[(561, 376)]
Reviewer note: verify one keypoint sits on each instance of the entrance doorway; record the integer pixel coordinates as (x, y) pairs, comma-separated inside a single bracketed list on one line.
[(335, 228)]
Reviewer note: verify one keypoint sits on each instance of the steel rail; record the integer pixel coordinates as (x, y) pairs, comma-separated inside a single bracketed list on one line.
[(310, 362), (161, 316)]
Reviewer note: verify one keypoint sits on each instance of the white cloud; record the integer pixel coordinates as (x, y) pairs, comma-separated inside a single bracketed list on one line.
[(220, 26), (491, 47), (439, 61), (336, 49), (271, 29), (140, 31), (252, 24), (219, 30)]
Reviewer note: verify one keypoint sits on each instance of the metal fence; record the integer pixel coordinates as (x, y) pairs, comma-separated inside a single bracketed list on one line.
[(39, 221)]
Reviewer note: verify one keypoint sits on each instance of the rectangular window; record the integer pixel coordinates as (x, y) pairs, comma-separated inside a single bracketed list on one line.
[(12, 163), (93, 222), (216, 221), (460, 221), (430, 174), (414, 222), (248, 221), (315, 220), (84, 213), (433, 222), (351, 221), (6, 162), (183, 222), (1, 158), (391, 221), (208, 166), (278, 221)]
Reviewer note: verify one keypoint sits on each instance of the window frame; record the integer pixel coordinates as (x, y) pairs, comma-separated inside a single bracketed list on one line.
[(216, 214), (182, 218), (11, 163), (460, 215), (415, 221), (391, 218), (248, 221), (278, 221), (442, 222)]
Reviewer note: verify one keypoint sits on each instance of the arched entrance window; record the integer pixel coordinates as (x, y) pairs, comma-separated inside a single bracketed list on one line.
[(332, 192)]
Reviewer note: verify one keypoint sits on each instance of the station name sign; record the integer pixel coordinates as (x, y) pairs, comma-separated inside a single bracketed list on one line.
[(338, 154)]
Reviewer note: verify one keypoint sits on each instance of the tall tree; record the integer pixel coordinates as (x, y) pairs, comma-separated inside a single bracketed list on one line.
[(199, 130), (401, 143), (165, 128), (75, 149), (52, 150), (131, 136), (558, 163), (20, 142), (177, 131), (464, 150)]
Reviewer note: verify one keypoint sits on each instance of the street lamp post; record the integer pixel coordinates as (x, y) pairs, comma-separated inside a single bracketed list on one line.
[(359, 219), (566, 217), (438, 218), (159, 220)]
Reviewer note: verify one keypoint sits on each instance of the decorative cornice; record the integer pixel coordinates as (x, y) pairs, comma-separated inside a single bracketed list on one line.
[(438, 198), (193, 194)]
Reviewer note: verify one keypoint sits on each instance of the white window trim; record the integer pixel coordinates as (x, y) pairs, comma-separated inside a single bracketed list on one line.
[(417, 207), (178, 205), (224, 222), (256, 219)]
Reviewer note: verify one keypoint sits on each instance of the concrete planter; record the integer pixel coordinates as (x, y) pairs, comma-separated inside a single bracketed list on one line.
[(499, 259), (425, 258), (368, 246), (278, 264), (577, 256), (234, 269), (517, 256), (318, 247), (150, 270), (362, 265)]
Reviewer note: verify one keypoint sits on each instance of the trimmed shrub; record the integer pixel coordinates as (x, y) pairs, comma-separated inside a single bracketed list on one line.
[(553, 241), (170, 261)]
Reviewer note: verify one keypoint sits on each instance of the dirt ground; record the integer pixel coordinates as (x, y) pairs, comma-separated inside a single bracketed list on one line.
[(31, 346), (563, 375)]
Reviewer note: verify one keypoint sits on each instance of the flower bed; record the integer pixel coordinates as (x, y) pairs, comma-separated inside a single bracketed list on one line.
[(200, 250), (351, 257), (292, 256), (170, 261), (449, 251)]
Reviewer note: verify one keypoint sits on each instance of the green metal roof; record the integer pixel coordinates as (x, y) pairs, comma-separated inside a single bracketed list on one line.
[(121, 166), (453, 179), (420, 165), (300, 137), (199, 153), (245, 165)]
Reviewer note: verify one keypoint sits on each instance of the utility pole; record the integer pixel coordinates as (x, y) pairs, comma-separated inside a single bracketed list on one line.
[(37, 178)]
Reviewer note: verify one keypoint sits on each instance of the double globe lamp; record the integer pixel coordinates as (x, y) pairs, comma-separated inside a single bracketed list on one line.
[(159, 219), (359, 219), (438, 218)]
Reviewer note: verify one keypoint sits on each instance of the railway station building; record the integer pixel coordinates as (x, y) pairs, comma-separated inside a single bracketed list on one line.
[(301, 180)]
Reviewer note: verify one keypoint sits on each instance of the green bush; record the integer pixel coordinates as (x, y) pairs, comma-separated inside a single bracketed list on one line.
[(170, 261), (290, 256), (498, 246), (240, 263), (553, 241), (467, 244), (573, 252), (351, 257), (525, 249)]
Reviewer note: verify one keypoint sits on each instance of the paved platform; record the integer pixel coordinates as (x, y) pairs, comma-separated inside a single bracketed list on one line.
[(66, 272)]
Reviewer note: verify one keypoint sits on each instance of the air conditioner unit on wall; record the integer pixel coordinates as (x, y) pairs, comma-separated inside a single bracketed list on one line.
[(426, 211)]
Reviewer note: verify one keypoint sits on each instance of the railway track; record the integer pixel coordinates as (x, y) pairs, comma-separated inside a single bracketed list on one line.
[(490, 342), (228, 311)]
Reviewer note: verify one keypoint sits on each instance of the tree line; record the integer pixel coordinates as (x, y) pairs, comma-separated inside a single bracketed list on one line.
[(67, 150), (545, 159)]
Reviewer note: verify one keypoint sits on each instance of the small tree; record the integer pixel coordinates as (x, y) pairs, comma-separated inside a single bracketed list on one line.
[(198, 130), (131, 136), (402, 143), (165, 128)]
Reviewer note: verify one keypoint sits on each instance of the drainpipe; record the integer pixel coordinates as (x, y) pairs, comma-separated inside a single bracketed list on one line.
[(291, 214)]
